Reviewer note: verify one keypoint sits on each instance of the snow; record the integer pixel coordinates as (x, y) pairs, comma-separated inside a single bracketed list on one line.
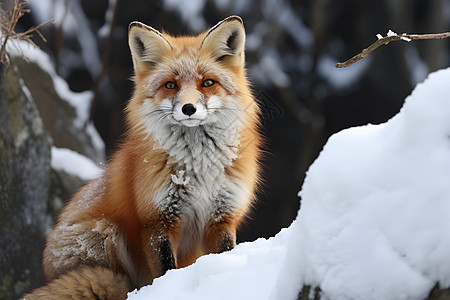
[(237, 274), (374, 219), (404, 38), (74, 163), (392, 33), (373, 222), (43, 61), (180, 180)]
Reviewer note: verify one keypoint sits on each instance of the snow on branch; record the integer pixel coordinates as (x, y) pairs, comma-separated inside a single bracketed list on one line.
[(391, 36)]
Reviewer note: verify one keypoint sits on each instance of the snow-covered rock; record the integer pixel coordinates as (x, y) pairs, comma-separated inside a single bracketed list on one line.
[(65, 113)]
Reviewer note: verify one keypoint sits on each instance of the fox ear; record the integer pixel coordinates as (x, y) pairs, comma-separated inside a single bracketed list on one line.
[(226, 41), (148, 46)]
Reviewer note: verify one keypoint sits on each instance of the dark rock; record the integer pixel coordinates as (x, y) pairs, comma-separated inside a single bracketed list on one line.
[(308, 293), (33, 118), (438, 294), (24, 188)]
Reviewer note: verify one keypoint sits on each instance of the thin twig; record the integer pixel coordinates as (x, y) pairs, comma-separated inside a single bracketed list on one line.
[(386, 40), (9, 21)]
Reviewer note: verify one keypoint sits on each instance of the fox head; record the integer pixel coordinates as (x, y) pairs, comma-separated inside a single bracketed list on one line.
[(190, 81)]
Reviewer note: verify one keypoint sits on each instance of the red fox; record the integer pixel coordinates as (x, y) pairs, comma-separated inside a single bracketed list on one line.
[(181, 182)]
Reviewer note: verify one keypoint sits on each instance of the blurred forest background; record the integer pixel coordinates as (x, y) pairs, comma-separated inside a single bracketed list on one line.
[(292, 47)]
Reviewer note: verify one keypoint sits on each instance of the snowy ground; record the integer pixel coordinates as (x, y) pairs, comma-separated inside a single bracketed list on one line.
[(374, 221)]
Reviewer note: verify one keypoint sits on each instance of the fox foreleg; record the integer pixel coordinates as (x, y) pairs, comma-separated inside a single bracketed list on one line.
[(220, 235), (160, 244)]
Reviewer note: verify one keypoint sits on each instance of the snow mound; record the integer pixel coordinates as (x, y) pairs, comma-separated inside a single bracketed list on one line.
[(243, 273), (374, 219), (375, 204)]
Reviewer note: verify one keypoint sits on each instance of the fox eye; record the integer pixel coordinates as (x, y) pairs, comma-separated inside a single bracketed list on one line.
[(170, 85), (208, 83)]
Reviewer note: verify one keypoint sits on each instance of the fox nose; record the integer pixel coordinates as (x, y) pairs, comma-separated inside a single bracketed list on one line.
[(188, 109)]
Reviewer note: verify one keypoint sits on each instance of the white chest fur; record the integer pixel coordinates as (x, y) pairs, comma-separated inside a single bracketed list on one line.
[(199, 191)]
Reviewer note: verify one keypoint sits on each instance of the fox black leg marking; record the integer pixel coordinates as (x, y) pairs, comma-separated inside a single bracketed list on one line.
[(166, 256), (227, 243)]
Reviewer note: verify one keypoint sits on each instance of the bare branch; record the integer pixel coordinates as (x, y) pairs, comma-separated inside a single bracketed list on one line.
[(386, 40), (9, 19)]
